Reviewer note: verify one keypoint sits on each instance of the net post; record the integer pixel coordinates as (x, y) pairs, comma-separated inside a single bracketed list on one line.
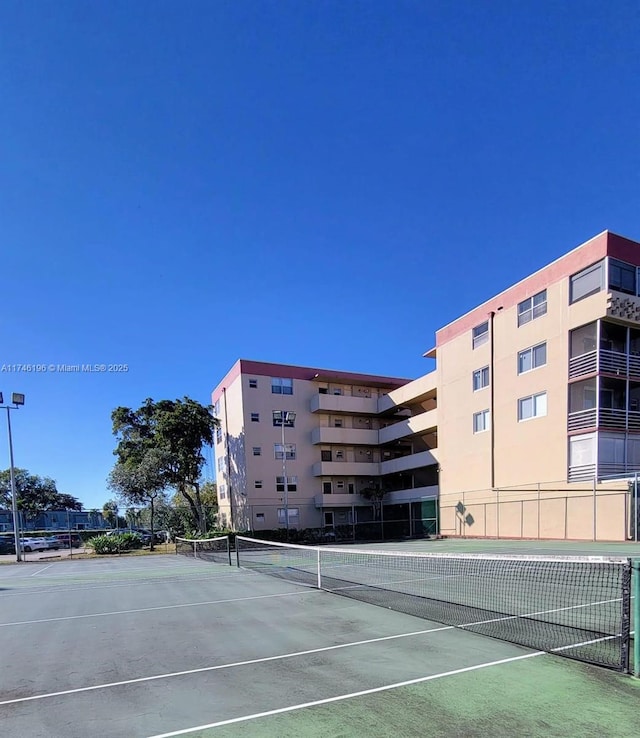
[(635, 590), (319, 578), (229, 549), (237, 553)]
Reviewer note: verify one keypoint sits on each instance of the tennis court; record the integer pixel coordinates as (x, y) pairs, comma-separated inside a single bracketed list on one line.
[(175, 645)]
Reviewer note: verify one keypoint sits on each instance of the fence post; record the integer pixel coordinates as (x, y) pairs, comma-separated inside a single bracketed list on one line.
[(69, 533), (521, 518), (566, 517), (595, 513), (538, 510), (635, 591)]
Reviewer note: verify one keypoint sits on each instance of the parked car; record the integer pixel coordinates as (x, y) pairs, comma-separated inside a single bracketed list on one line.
[(34, 544), (143, 535), (52, 542), (7, 545), (63, 540)]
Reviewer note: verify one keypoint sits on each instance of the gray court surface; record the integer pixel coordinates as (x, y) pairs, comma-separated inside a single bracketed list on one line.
[(166, 645)]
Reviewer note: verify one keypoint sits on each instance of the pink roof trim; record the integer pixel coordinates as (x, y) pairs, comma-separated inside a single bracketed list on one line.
[(265, 369), (605, 244)]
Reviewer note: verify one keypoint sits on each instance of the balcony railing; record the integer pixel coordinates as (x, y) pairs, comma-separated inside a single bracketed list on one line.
[(605, 361), (610, 418)]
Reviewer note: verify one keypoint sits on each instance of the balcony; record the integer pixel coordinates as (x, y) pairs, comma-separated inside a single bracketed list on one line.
[(606, 362), (345, 436), (423, 423), (410, 394), (339, 500), (346, 469), (608, 418), (411, 495), (412, 461), (344, 404)]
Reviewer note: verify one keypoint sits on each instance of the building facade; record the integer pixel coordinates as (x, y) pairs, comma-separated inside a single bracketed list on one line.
[(301, 447), (540, 395), (529, 427)]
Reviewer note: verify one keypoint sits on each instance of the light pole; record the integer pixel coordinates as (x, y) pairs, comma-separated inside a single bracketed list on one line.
[(283, 417), (17, 400)]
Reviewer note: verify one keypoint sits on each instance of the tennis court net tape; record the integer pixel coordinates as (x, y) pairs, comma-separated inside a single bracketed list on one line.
[(208, 549), (575, 606)]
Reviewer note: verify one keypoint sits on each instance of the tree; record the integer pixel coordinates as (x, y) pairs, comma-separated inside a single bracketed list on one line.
[(182, 516), (176, 429), (140, 481), (110, 512), (375, 494), (34, 493)]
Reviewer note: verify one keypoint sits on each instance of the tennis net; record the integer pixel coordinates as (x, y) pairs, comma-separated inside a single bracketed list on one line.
[(208, 549), (574, 606)]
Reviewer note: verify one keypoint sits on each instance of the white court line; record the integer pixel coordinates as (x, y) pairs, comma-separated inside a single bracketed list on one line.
[(226, 666), (159, 607), (39, 570), (374, 690), (351, 695), (61, 588)]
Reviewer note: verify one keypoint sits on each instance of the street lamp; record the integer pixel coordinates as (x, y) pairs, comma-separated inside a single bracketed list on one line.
[(17, 400), (283, 417)]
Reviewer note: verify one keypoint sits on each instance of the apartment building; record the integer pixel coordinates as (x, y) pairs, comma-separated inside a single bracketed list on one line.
[(299, 447), (529, 427), (539, 391)]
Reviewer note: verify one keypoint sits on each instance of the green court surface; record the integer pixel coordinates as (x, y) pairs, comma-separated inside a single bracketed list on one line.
[(168, 645)]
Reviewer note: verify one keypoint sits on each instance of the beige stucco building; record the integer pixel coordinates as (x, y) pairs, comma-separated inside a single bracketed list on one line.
[(528, 427), (343, 433)]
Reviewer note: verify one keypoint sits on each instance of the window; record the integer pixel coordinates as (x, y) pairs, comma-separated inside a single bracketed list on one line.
[(220, 463), (257, 451), (255, 417), (532, 308), (293, 515), (480, 334), (259, 516), (222, 492), (587, 282), (532, 358), (481, 378), (290, 421), (481, 421), (622, 277), (292, 484), (337, 390), (340, 455), (253, 383), (337, 422), (326, 488), (216, 408), (534, 406), (289, 449), (325, 455), (281, 386), (258, 484), (218, 434), (351, 488), (340, 485)]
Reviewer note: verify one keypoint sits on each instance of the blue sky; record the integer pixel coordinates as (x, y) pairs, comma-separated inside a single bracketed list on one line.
[(317, 183)]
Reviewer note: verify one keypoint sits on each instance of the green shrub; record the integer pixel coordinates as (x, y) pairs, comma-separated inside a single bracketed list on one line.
[(115, 544)]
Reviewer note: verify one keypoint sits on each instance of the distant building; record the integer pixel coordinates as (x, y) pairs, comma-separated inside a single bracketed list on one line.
[(55, 520)]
